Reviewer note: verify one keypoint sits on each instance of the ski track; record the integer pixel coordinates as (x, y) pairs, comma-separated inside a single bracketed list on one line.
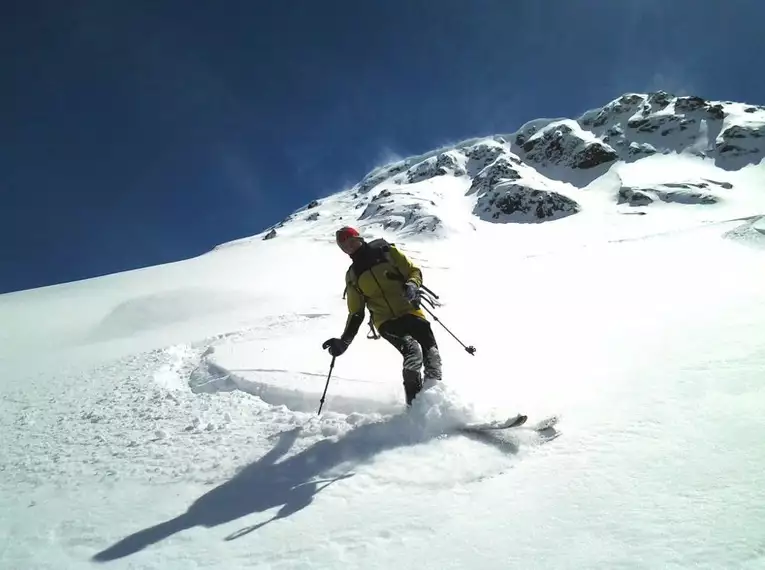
[(137, 418)]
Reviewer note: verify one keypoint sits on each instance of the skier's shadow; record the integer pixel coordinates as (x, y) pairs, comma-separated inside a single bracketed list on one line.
[(266, 484)]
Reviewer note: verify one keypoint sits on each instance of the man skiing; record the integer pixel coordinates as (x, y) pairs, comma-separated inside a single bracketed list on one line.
[(382, 278)]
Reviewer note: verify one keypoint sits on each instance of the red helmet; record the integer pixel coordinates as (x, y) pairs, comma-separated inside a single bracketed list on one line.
[(345, 233)]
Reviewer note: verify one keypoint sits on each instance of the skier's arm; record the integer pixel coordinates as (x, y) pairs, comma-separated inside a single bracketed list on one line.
[(408, 269), (356, 311)]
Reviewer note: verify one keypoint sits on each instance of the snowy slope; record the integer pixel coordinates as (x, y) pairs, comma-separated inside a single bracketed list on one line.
[(605, 271)]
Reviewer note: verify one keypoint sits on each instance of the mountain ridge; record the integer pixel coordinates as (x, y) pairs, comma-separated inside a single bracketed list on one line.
[(538, 173)]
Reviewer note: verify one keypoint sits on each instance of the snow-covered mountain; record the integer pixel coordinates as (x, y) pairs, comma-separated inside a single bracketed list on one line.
[(549, 168), (608, 269)]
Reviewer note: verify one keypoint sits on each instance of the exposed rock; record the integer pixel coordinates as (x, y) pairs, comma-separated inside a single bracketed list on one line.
[(688, 104), (654, 123), (603, 117), (481, 155), (593, 155), (660, 98), (445, 163), (686, 123), (523, 136), (726, 185), (422, 171), (740, 145), (504, 170), (716, 112), (624, 104), (633, 197), (382, 194), (520, 204), (686, 197), (561, 145), (638, 149), (666, 193), (741, 132), (500, 170), (615, 131), (401, 212), (552, 145), (724, 148)]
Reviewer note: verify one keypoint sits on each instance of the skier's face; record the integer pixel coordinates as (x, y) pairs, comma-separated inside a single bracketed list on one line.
[(349, 245)]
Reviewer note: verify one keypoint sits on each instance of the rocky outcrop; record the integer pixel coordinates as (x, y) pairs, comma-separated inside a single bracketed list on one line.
[(653, 123), (679, 193), (532, 175), (640, 149), (499, 171), (625, 104), (593, 155), (688, 104), (739, 145), (444, 164), (520, 204), (561, 145), (659, 99), (401, 211), (633, 197), (481, 155), (743, 132)]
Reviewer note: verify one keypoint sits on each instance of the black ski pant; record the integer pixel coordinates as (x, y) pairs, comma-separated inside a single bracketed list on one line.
[(413, 337)]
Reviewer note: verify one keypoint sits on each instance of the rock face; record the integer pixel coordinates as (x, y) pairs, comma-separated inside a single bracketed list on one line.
[(520, 204), (679, 193), (499, 170), (537, 173), (397, 212), (563, 145), (443, 164), (636, 125)]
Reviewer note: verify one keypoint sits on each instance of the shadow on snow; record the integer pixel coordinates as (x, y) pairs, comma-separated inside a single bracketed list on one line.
[(290, 484)]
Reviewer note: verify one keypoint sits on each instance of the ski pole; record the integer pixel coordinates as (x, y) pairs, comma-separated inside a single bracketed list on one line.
[(468, 349), (391, 275), (331, 366)]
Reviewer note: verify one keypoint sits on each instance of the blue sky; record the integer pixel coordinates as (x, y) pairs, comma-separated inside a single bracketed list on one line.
[(141, 132)]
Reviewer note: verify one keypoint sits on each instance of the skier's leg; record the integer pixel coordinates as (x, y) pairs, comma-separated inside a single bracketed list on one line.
[(423, 334), (410, 350)]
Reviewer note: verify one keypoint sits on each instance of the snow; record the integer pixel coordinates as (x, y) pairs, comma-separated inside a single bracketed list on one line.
[(167, 417)]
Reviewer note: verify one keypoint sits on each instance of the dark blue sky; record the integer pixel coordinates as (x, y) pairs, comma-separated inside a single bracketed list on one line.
[(139, 132)]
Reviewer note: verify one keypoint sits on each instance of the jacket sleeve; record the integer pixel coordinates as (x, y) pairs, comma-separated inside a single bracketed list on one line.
[(408, 269), (356, 310)]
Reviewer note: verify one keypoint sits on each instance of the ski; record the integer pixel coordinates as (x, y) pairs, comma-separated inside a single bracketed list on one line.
[(517, 421), (546, 423)]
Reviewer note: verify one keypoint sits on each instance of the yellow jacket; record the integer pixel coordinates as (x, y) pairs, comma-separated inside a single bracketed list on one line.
[(376, 280)]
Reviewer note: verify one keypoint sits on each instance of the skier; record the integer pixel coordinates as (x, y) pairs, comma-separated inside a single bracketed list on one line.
[(382, 278)]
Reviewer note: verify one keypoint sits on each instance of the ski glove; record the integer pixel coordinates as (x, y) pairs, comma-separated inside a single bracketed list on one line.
[(411, 291), (336, 346)]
